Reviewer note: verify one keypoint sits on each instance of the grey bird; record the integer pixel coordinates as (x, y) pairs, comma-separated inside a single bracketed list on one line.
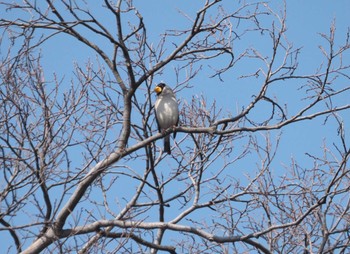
[(167, 111)]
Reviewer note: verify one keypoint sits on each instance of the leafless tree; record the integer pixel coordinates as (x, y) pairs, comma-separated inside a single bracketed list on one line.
[(81, 169)]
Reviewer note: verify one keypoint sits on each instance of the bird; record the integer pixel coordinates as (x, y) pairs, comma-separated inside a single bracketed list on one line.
[(167, 111)]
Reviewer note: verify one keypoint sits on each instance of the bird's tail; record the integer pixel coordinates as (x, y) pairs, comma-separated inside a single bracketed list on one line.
[(167, 144)]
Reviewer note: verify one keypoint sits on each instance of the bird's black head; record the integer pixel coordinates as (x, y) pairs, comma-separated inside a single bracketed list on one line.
[(159, 88)]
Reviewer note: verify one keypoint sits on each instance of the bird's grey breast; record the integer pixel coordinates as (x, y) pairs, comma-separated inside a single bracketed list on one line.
[(167, 111)]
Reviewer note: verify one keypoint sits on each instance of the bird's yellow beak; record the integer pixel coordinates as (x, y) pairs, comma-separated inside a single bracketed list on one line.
[(157, 89)]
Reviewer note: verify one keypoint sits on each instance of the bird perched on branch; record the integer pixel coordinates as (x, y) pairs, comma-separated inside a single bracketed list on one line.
[(167, 111)]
